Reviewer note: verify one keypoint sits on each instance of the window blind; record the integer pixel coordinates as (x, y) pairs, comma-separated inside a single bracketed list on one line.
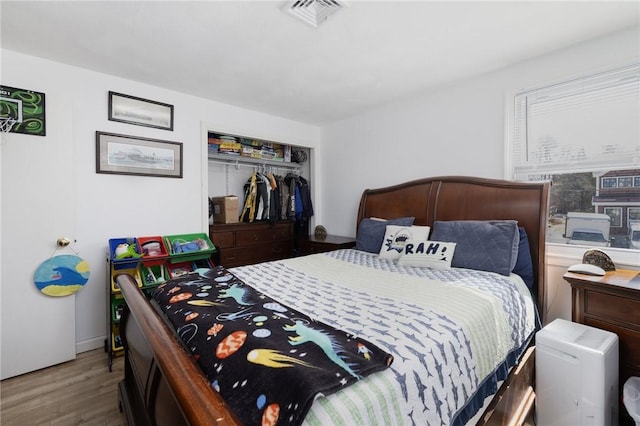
[(583, 125)]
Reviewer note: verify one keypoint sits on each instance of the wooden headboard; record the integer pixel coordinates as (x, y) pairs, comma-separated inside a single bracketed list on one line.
[(469, 198)]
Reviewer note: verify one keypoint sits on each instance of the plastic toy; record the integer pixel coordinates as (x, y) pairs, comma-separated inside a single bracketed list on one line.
[(185, 247), (152, 248), (151, 278), (124, 251)]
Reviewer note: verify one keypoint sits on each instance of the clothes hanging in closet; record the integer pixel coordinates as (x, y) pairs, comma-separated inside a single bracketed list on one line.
[(256, 204), (273, 198), (300, 206), (249, 207)]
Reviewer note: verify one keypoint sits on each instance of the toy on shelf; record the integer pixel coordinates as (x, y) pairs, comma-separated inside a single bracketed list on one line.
[(153, 274), (152, 248), (126, 251), (185, 247), (181, 246), (180, 269), (150, 277)]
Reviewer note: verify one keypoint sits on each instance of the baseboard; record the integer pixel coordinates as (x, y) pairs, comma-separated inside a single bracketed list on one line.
[(90, 344)]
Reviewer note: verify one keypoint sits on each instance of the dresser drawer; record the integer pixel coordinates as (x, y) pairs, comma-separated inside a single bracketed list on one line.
[(229, 258), (283, 232), (241, 244), (617, 308), (222, 239), (258, 236), (254, 236), (256, 253)]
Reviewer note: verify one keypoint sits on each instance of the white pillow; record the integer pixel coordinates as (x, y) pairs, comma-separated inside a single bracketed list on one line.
[(396, 236), (432, 254)]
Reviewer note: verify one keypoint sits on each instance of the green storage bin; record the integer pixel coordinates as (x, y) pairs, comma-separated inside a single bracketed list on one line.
[(117, 305), (188, 247), (153, 275)]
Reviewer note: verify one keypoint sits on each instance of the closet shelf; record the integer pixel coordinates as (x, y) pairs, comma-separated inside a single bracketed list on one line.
[(251, 162)]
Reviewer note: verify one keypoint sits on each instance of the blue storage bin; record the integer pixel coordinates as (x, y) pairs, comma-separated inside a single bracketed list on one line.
[(126, 262)]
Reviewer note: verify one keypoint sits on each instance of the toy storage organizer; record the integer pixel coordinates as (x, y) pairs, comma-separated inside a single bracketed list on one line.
[(151, 261)]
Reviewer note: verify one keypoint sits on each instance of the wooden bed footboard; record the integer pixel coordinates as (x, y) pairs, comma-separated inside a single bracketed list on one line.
[(162, 384)]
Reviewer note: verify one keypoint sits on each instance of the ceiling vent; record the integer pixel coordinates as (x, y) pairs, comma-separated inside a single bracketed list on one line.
[(314, 12)]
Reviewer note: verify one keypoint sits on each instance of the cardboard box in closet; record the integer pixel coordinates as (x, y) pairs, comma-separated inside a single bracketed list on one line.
[(225, 209)]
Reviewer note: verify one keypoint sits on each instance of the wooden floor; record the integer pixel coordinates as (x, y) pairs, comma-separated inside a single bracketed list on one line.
[(78, 392)]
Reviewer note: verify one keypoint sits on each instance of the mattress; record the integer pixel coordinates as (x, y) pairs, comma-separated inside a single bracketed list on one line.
[(454, 334)]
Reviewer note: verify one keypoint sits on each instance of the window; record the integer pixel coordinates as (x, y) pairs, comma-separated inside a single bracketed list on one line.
[(615, 213), (594, 237), (584, 136), (625, 182), (620, 182)]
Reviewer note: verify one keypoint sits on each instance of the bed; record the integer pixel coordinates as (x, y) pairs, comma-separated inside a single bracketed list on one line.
[(164, 384)]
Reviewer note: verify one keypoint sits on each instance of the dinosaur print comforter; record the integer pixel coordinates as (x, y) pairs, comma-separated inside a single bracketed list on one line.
[(267, 360)]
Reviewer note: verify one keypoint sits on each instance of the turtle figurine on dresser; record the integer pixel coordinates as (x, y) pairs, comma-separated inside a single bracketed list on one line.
[(598, 258)]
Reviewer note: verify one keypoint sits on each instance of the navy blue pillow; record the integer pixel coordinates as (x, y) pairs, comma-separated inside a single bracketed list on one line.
[(524, 264), (371, 232), (483, 245)]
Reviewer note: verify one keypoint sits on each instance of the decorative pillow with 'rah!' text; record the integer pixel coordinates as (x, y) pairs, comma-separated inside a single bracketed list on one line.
[(432, 254), (396, 237), (371, 232)]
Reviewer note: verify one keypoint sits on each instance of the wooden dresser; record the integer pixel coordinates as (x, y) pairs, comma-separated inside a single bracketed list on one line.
[(611, 302), (241, 244)]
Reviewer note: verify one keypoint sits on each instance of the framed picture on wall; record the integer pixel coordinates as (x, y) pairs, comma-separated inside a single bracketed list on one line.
[(141, 112), (133, 155)]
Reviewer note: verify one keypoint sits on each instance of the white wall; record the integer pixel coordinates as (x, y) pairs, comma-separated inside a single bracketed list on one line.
[(456, 130), (111, 206)]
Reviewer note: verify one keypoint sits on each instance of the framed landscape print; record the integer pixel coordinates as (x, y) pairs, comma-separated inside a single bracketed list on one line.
[(141, 112), (133, 155)]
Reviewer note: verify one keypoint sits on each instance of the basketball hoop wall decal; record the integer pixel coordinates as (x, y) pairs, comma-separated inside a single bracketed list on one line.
[(22, 111)]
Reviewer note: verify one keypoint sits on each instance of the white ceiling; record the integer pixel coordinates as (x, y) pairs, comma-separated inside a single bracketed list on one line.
[(253, 55)]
